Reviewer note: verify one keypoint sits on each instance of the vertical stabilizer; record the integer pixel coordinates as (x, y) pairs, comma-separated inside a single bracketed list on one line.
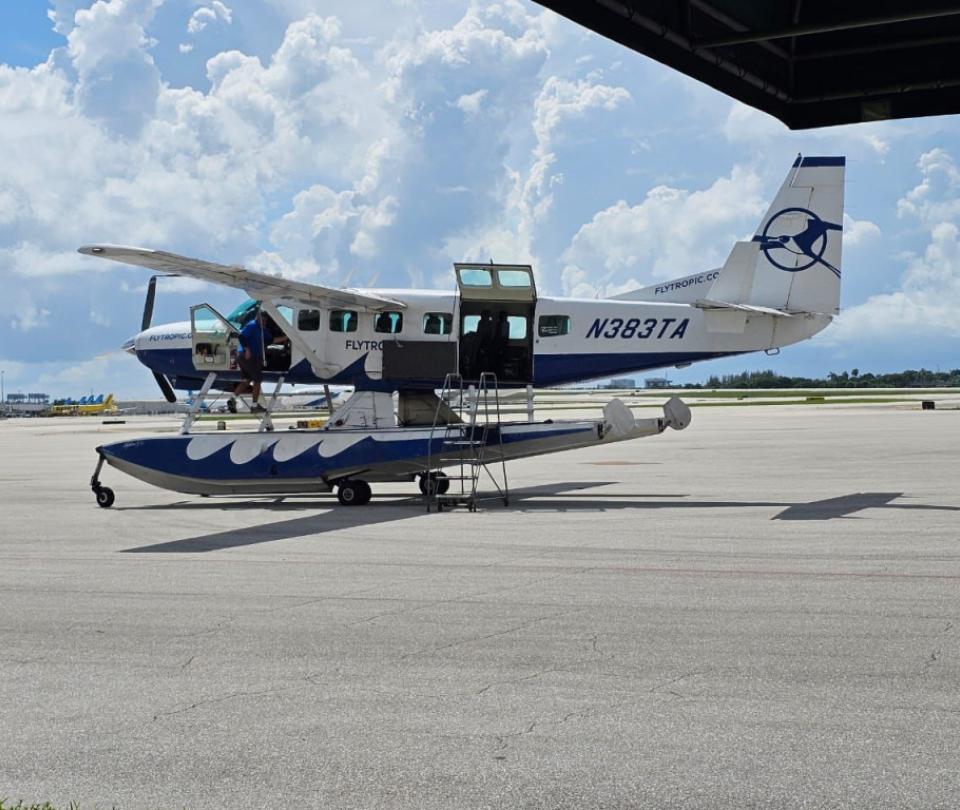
[(793, 261)]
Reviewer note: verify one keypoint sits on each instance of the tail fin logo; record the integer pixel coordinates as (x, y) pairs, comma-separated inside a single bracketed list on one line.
[(811, 242)]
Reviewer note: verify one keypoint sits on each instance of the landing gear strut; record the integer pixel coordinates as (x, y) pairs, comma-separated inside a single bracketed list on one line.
[(104, 495)]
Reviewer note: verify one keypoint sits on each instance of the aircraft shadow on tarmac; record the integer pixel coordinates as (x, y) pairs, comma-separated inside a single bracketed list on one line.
[(526, 499)]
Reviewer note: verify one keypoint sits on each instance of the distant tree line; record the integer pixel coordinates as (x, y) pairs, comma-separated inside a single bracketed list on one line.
[(922, 378)]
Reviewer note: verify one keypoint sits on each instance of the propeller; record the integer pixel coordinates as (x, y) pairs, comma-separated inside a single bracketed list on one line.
[(165, 388), (148, 304)]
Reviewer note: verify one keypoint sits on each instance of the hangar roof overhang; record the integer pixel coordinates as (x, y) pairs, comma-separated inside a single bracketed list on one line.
[(810, 63)]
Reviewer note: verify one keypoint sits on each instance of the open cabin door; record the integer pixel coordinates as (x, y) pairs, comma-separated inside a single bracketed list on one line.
[(497, 305), (214, 339)]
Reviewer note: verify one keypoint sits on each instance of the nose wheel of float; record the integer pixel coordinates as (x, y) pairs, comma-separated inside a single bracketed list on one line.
[(104, 495)]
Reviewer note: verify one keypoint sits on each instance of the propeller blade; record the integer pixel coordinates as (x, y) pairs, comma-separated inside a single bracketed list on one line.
[(148, 303), (165, 387)]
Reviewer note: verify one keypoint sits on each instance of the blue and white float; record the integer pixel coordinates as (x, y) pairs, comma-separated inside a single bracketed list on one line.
[(308, 461)]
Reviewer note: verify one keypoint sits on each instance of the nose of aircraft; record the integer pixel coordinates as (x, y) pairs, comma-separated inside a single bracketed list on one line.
[(129, 345)]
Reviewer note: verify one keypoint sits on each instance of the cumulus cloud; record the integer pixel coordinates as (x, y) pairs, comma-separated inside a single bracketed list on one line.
[(470, 103), (858, 232), (205, 15), (525, 192), (468, 91), (559, 102), (671, 233), (929, 295), (926, 303), (118, 81), (937, 196), (29, 316), (180, 168)]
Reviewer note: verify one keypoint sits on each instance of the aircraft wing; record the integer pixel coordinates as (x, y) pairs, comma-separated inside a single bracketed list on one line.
[(257, 285)]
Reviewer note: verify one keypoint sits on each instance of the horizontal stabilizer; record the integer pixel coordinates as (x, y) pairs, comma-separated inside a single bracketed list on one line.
[(723, 305)]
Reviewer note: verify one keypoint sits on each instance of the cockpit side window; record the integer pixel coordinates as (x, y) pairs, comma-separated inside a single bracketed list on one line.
[(308, 320)]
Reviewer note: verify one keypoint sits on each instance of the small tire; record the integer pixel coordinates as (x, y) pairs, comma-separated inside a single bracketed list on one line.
[(365, 493), (105, 497), (353, 493), (434, 484)]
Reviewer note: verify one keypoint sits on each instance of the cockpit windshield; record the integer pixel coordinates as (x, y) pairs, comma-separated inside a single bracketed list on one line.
[(243, 313)]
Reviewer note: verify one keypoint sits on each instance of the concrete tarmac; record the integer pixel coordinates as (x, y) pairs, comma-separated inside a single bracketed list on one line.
[(760, 611)]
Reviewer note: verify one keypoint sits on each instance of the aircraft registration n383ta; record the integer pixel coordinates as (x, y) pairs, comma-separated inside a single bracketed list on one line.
[(779, 288)]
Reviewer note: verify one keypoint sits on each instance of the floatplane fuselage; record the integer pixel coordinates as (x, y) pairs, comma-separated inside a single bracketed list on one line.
[(557, 341), (779, 288)]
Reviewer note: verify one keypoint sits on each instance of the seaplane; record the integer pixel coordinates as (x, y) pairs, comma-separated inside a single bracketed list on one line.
[(397, 348)]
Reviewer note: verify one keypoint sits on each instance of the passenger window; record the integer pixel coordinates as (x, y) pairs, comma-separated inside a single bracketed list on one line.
[(389, 322), (470, 323), (518, 327), (343, 320), (554, 325), (437, 323), (308, 320)]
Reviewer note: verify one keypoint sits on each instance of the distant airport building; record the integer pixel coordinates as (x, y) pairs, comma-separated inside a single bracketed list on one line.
[(27, 403), (149, 407), (621, 382), (656, 382)]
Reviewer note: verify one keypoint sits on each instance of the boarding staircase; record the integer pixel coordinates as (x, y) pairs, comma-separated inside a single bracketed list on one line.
[(465, 444)]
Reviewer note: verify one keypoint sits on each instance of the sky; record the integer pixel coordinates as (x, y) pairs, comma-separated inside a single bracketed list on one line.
[(379, 142)]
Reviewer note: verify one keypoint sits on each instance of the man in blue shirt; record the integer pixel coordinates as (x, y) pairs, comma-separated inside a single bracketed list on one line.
[(253, 337)]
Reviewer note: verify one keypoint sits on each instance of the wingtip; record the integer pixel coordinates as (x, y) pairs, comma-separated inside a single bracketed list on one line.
[(111, 251)]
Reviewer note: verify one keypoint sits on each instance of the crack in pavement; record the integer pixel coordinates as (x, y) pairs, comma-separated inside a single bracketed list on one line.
[(487, 636), (515, 681), (221, 699), (596, 710)]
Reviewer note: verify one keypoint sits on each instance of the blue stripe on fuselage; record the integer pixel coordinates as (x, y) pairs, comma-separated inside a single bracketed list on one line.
[(549, 369)]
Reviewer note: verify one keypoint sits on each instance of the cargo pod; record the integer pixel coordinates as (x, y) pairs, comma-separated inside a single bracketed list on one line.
[(497, 303)]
